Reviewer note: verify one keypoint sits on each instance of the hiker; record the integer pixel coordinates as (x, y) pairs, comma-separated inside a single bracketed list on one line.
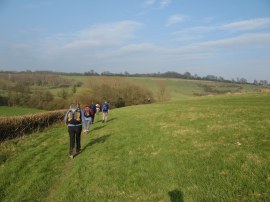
[(105, 111), (74, 119), (88, 118), (93, 111), (97, 108)]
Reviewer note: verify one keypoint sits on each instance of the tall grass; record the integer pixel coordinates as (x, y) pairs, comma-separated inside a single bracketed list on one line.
[(204, 149)]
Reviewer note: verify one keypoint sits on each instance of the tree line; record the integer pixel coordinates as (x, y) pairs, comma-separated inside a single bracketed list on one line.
[(168, 74), (186, 75), (48, 90)]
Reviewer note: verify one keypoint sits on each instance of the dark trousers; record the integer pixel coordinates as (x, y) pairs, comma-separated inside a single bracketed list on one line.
[(93, 118), (74, 134)]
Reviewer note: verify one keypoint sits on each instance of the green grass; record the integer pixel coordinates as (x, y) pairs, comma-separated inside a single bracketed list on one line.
[(182, 89), (201, 149), (17, 111)]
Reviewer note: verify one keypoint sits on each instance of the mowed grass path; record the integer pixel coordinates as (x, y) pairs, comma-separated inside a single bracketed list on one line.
[(204, 149)]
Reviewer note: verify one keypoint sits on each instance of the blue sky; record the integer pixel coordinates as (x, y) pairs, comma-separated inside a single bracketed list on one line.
[(229, 38)]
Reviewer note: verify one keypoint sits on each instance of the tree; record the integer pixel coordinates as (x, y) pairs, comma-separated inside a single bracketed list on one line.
[(163, 93), (243, 80), (255, 82), (187, 75), (74, 89), (63, 93), (263, 82)]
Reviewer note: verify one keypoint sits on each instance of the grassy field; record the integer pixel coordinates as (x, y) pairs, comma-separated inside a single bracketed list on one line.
[(213, 148), (181, 89), (17, 111)]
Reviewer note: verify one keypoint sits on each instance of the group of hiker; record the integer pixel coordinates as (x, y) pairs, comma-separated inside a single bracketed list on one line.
[(77, 118)]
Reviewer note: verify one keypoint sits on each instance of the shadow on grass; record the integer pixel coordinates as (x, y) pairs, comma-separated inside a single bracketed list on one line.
[(96, 141), (176, 196), (112, 119), (97, 128), (109, 119)]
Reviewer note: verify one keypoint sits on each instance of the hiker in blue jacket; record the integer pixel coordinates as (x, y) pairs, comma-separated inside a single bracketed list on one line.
[(105, 111), (74, 119), (94, 110)]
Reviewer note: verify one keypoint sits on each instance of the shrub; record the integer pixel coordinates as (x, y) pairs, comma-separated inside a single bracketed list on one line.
[(119, 92), (12, 127)]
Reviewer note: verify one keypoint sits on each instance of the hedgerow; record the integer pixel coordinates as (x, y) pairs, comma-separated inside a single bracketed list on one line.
[(15, 126)]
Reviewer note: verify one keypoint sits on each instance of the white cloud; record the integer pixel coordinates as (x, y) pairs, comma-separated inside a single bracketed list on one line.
[(138, 48), (233, 43), (159, 4), (196, 52), (164, 3), (175, 19), (98, 36), (238, 27), (149, 2), (246, 25)]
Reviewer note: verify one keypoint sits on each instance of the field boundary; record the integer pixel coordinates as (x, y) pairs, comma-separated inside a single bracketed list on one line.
[(15, 126)]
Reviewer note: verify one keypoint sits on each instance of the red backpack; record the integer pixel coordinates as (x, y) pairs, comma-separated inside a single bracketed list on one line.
[(87, 112)]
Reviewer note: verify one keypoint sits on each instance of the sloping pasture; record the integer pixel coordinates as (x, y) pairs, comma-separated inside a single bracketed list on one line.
[(213, 148)]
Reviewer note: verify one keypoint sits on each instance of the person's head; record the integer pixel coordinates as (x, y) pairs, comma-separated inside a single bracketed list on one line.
[(73, 106)]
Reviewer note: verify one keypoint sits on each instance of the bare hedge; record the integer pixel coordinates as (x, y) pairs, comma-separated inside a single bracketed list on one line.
[(15, 126)]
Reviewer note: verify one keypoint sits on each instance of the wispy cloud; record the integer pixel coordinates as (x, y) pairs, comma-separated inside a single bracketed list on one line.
[(237, 27), (149, 2), (100, 35), (246, 25), (175, 19), (88, 46), (164, 3), (237, 42), (157, 4)]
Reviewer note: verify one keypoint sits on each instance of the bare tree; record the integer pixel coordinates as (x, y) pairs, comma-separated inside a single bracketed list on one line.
[(163, 92)]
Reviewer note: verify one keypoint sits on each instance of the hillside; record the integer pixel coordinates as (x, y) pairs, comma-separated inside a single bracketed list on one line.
[(213, 148), (51, 91)]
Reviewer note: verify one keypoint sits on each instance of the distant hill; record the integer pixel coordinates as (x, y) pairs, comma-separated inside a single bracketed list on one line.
[(48, 90)]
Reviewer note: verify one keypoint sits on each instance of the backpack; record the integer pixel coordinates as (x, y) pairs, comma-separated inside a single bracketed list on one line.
[(74, 115), (105, 107), (92, 113), (93, 107), (87, 112)]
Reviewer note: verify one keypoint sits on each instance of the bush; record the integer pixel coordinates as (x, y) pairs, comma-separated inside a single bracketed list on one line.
[(120, 103), (12, 127), (119, 92)]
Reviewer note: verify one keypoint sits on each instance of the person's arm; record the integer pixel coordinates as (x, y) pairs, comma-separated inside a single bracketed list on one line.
[(83, 119), (66, 116)]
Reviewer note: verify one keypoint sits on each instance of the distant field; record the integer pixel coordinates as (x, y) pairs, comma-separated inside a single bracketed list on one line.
[(184, 89), (213, 148), (58, 91), (179, 88), (17, 111)]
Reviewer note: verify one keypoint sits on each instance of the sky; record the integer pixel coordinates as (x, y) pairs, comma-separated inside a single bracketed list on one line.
[(228, 38)]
